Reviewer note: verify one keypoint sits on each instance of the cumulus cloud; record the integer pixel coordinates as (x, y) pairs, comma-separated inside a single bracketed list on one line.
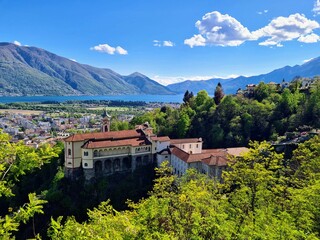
[(316, 7), (105, 48), (219, 30), (17, 43), (195, 41), (166, 43), (311, 38), (281, 29)]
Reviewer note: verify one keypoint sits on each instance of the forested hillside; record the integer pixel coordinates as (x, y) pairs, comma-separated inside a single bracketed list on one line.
[(234, 120), (264, 195)]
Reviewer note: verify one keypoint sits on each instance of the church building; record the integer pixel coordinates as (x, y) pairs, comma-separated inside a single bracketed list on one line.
[(109, 152)]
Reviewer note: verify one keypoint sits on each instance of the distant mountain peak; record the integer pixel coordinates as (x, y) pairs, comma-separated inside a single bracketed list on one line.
[(137, 74)]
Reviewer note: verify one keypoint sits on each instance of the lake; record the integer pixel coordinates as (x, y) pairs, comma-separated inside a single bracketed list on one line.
[(146, 98)]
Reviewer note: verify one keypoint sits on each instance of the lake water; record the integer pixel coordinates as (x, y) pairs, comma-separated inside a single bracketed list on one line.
[(146, 98)]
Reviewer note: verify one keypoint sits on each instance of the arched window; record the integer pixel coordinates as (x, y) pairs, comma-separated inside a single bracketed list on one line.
[(69, 151), (95, 153), (116, 164)]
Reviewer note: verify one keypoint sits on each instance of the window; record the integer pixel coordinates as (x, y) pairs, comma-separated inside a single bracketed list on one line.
[(69, 152), (182, 146), (85, 153), (197, 146), (95, 153), (86, 164), (189, 145)]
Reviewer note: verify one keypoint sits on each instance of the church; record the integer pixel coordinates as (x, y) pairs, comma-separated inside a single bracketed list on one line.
[(109, 152)]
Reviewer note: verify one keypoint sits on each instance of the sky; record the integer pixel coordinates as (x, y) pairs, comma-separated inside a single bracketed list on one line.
[(169, 40)]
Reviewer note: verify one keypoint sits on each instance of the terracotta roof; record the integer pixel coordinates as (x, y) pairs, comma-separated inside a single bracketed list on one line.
[(103, 135), (160, 139), (216, 160), (185, 140), (135, 142), (207, 153)]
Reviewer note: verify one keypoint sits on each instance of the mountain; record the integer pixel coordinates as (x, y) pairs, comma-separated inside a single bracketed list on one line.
[(34, 71), (231, 85), (146, 84)]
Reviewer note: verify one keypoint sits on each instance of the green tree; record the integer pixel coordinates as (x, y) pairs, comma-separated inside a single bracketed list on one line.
[(17, 160)]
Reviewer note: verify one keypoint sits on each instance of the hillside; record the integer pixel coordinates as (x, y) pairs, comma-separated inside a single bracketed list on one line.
[(231, 85), (34, 71)]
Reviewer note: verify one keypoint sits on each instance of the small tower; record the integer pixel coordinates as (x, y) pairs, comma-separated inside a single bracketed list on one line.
[(106, 121)]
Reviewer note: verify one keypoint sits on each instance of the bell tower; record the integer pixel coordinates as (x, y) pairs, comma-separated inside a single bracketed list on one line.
[(106, 121)]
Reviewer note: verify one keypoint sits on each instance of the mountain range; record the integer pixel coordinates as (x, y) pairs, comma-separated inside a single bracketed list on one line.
[(231, 85), (34, 71)]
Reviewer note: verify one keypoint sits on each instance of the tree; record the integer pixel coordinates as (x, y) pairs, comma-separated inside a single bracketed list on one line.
[(17, 160), (218, 94), (187, 97)]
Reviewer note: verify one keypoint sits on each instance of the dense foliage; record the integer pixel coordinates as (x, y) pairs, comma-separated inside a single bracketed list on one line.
[(17, 160), (235, 120), (261, 198)]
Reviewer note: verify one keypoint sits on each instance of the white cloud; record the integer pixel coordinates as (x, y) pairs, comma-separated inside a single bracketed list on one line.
[(311, 38), (105, 48), (166, 80), (195, 41), (316, 7), (166, 43), (286, 29), (219, 30), (17, 43), (156, 43), (121, 51)]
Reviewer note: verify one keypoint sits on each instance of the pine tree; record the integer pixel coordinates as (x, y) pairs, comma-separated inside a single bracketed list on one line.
[(218, 94)]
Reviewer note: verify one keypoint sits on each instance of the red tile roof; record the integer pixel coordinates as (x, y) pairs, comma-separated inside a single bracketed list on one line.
[(207, 154), (216, 161), (103, 135), (135, 142)]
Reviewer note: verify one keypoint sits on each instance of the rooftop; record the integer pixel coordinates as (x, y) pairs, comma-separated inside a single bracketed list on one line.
[(134, 142), (209, 155), (104, 135)]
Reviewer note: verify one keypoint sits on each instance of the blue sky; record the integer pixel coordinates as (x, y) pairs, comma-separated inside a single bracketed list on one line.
[(169, 41)]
